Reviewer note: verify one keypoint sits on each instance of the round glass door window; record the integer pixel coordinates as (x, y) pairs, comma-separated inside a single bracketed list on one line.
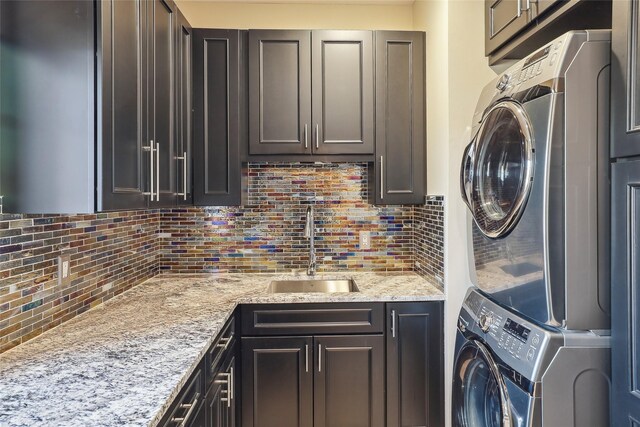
[(503, 167), (479, 398)]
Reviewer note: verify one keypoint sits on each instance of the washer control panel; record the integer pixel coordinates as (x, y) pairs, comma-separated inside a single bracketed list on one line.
[(516, 341)]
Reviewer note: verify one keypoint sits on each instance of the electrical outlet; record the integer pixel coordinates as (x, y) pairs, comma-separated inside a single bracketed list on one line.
[(64, 267), (365, 240)]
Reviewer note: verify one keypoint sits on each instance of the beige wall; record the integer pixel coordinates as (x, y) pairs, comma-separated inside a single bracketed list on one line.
[(457, 71), (206, 14)]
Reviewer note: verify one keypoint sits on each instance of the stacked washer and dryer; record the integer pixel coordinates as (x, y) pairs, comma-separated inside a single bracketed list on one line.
[(532, 346)]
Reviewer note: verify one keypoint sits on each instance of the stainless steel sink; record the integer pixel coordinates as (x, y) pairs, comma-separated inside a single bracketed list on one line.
[(312, 285)]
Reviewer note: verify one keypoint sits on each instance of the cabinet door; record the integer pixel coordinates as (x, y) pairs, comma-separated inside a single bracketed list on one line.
[(183, 111), (277, 382), (342, 87), (349, 381), (122, 182), (625, 75), (279, 92), (415, 393), (161, 82), (625, 292), (216, 118), (502, 20), (400, 167)]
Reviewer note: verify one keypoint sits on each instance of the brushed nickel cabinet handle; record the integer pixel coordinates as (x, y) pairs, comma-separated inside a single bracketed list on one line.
[(157, 171), (184, 174), (317, 137), (381, 177), (306, 358), (151, 148), (232, 387), (393, 323), (182, 421), (306, 141), (319, 357)]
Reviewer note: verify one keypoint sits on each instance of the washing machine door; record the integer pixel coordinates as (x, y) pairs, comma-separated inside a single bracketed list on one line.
[(480, 397), (498, 169)]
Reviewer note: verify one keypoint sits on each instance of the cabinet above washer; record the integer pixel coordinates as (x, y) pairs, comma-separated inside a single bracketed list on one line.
[(515, 28)]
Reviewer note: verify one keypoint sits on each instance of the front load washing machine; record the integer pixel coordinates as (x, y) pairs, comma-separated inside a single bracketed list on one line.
[(535, 178), (510, 372)]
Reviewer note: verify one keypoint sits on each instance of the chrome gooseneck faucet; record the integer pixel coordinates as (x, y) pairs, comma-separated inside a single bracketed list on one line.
[(310, 233)]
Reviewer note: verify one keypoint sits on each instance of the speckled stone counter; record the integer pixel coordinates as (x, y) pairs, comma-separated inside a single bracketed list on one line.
[(122, 363)]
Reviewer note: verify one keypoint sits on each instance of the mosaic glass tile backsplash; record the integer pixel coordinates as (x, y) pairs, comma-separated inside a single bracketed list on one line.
[(109, 253), (429, 239), (112, 252), (266, 235)]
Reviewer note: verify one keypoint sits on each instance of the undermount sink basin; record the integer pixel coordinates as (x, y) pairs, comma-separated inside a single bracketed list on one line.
[(312, 285)]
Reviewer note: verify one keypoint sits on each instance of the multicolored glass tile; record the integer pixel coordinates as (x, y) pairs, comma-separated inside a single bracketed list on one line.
[(112, 252)]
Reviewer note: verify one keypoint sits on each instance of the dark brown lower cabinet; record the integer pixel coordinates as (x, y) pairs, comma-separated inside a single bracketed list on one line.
[(277, 382), (313, 381), (415, 377), (349, 381)]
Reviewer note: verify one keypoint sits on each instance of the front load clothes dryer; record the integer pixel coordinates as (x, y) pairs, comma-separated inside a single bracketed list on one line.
[(535, 178), (510, 372)]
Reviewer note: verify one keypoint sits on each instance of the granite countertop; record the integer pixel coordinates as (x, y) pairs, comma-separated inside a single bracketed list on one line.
[(123, 362)]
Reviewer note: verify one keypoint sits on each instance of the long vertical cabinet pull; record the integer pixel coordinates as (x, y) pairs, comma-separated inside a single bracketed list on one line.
[(151, 148), (306, 141), (393, 323), (157, 171), (319, 357), (184, 175), (227, 382), (231, 387), (381, 177), (306, 358), (317, 137)]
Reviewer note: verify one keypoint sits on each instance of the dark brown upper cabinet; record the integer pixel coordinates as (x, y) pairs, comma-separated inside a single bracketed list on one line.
[(125, 167), (310, 93), (279, 92), (342, 92), (400, 167), (515, 28), (137, 57), (217, 164), (625, 75), (184, 90), (110, 73), (161, 120)]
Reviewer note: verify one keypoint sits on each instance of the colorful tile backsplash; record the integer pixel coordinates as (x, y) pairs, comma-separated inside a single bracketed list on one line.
[(429, 239), (112, 252), (109, 253), (266, 235)]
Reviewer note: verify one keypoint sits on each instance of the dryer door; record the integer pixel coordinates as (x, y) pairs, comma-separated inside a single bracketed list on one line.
[(503, 167), (479, 395)]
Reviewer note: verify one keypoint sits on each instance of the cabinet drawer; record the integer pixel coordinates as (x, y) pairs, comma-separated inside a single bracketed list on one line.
[(305, 319), (185, 408), (222, 346)]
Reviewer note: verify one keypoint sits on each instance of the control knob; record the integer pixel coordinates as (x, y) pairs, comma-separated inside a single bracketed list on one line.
[(485, 322), (503, 82)]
